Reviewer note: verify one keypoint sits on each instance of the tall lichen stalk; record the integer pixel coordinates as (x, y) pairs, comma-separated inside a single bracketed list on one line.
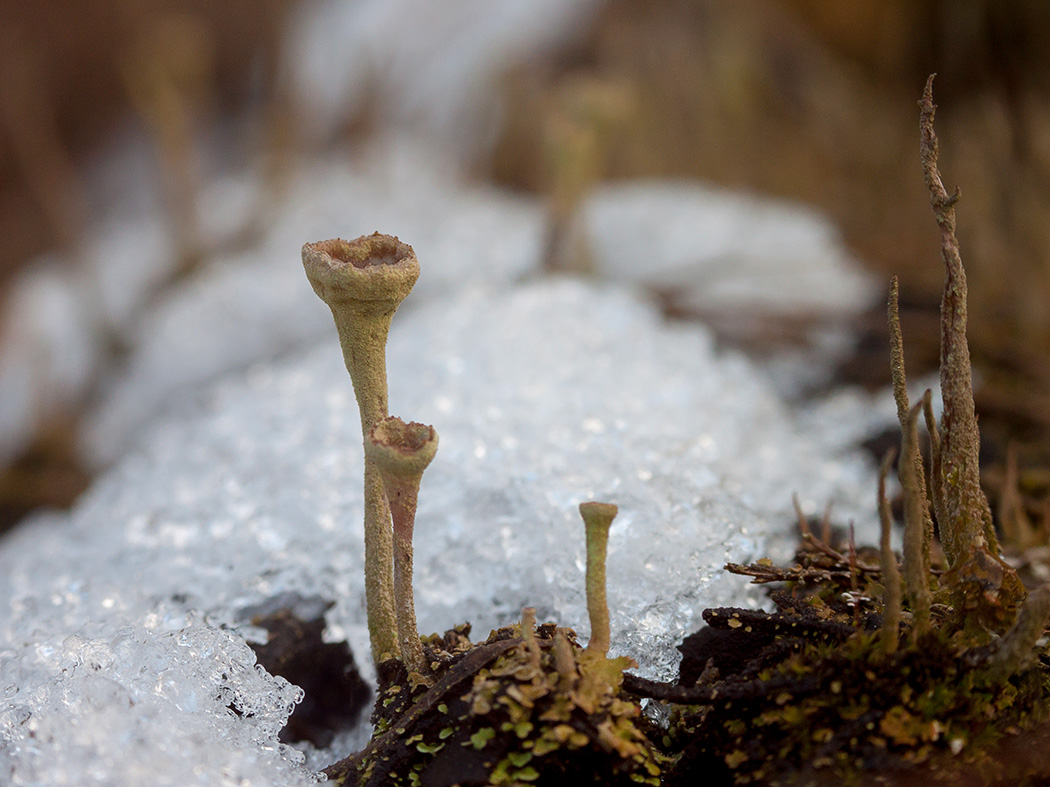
[(965, 505), (363, 282), (986, 591)]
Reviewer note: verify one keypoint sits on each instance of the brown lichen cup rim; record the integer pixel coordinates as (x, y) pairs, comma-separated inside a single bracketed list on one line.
[(401, 448), (366, 251)]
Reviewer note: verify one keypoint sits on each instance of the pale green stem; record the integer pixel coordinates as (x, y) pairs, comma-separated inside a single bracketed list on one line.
[(900, 395), (597, 518), (364, 351), (403, 510), (401, 452)]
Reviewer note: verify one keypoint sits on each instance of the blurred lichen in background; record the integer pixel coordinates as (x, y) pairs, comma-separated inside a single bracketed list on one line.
[(791, 98), (811, 100), (76, 81)]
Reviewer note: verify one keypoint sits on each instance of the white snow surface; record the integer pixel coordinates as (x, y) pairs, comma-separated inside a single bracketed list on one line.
[(719, 250), (122, 648)]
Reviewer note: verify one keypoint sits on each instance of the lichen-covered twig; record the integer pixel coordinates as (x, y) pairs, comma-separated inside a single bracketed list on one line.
[(983, 583), (363, 282), (891, 577), (597, 518), (968, 518), (401, 452)]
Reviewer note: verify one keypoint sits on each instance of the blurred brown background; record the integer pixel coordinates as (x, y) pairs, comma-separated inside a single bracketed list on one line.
[(74, 72), (804, 99)]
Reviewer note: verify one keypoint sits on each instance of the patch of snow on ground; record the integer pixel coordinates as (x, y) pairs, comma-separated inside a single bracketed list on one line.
[(721, 250), (121, 647)]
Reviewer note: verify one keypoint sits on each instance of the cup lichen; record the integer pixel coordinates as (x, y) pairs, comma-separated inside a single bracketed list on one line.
[(856, 671), (363, 282), (401, 452), (527, 701)]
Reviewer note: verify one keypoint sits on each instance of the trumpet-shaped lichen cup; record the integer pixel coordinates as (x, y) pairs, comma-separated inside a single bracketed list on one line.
[(401, 452)]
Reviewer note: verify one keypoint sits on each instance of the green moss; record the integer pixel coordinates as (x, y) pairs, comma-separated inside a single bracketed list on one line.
[(482, 737), (528, 774)]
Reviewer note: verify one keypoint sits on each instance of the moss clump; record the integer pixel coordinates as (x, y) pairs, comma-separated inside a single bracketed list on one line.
[(866, 667), (527, 706), (822, 692)]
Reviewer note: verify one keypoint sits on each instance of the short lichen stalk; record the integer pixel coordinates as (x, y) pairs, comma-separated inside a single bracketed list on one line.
[(363, 282), (401, 452), (597, 519)]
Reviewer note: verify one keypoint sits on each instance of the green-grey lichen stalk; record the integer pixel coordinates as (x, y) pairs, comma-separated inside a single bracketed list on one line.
[(401, 452), (900, 394), (363, 282), (597, 518)]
